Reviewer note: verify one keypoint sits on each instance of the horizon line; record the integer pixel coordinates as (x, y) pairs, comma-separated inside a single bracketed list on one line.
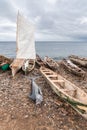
[(42, 41)]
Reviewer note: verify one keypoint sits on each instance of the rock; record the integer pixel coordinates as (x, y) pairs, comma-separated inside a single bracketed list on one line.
[(26, 116)]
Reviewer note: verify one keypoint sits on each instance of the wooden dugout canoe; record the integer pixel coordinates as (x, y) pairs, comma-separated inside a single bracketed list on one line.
[(72, 68), (78, 60), (69, 92), (30, 67), (20, 63), (39, 61), (51, 63), (16, 66)]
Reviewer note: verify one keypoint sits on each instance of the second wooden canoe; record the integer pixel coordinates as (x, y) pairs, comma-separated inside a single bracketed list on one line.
[(72, 68), (78, 60), (68, 91), (39, 61), (51, 63)]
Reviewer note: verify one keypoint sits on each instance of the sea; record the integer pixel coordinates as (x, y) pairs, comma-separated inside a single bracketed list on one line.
[(54, 49)]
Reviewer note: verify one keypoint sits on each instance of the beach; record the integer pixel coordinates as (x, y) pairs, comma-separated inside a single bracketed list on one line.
[(43, 65), (19, 112)]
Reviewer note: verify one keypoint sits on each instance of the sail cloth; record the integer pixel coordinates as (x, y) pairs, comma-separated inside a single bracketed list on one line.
[(25, 39)]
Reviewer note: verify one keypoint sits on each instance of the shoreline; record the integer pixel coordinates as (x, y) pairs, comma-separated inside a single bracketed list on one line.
[(19, 112)]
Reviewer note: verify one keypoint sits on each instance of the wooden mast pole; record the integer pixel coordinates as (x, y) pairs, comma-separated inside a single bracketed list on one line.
[(17, 34)]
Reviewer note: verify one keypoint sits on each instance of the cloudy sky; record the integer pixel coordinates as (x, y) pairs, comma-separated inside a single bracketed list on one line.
[(55, 20)]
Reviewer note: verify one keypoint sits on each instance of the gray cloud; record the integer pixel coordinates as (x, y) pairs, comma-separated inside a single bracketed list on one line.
[(54, 19), (7, 10)]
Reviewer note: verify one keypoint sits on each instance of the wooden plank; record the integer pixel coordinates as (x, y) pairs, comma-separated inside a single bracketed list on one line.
[(52, 76)]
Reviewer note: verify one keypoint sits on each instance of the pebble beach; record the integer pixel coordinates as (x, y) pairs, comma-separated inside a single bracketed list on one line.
[(19, 112)]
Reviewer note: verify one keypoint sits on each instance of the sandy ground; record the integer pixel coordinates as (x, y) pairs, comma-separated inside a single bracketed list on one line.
[(18, 112)]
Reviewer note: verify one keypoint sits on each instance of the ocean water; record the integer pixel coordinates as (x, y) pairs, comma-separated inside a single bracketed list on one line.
[(56, 50)]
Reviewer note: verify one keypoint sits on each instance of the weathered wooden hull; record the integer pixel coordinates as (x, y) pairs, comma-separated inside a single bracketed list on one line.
[(67, 91), (16, 66), (51, 63), (73, 68), (30, 66), (39, 61), (4, 59), (79, 61)]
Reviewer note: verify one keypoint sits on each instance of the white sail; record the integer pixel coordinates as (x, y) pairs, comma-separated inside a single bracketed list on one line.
[(25, 39)]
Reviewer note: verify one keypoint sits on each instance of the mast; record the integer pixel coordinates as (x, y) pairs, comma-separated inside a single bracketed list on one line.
[(17, 33)]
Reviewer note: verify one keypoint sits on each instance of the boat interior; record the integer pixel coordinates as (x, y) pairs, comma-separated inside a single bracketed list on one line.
[(31, 63), (65, 86)]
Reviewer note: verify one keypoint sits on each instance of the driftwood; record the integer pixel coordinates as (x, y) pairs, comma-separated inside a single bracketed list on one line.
[(72, 68), (51, 63), (68, 91), (78, 60)]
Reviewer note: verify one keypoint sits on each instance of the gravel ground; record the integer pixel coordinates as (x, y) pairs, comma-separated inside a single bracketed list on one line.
[(18, 112)]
